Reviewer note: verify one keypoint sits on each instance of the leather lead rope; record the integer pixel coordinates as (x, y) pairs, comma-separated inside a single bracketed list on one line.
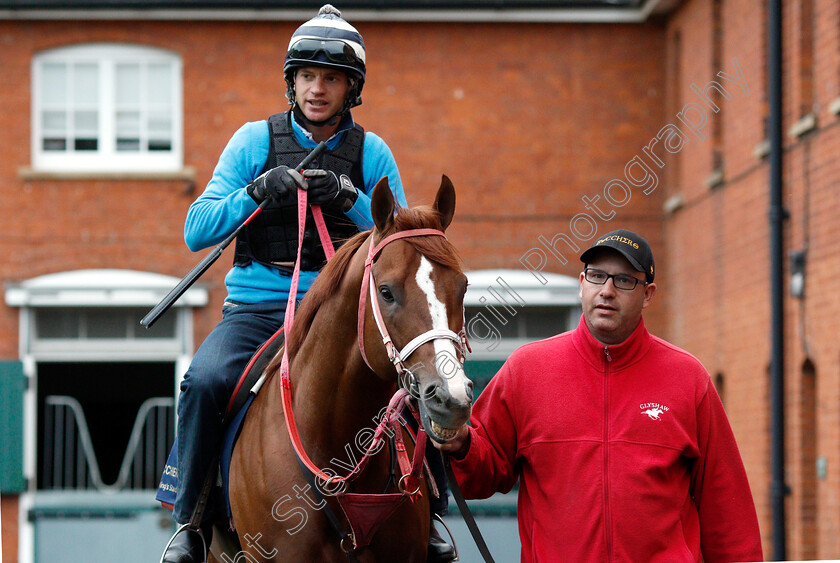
[(466, 514)]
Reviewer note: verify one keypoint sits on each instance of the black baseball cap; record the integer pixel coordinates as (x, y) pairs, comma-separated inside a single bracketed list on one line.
[(630, 245)]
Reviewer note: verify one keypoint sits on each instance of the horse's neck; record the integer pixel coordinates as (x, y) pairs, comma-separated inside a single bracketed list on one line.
[(335, 394)]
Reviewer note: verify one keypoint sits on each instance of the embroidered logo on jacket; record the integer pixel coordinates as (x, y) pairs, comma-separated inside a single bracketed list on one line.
[(654, 410)]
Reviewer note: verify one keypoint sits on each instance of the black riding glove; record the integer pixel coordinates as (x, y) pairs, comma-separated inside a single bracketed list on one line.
[(327, 189), (278, 184)]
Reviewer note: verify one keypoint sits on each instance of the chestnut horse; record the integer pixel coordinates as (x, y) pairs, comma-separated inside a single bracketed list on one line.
[(340, 384)]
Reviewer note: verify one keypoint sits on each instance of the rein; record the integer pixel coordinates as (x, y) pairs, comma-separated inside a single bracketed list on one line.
[(388, 423), (357, 506)]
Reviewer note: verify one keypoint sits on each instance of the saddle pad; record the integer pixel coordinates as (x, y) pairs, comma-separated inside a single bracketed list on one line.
[(231, 434), (168, 487), (235, 415)]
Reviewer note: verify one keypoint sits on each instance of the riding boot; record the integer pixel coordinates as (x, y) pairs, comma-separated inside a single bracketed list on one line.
[(439, 551), (188, 547)]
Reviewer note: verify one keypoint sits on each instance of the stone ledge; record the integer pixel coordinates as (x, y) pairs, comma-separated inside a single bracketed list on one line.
[(806, 124), (673, 204), (715, 179)]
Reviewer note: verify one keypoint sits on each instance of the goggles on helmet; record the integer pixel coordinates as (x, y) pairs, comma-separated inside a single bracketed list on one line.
[(335, 51)]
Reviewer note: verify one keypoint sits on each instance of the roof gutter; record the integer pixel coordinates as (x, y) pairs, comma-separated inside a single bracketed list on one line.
[(546, 15)]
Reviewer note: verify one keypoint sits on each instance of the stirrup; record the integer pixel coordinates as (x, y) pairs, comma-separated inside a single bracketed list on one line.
[(449, 532), (182, 527)]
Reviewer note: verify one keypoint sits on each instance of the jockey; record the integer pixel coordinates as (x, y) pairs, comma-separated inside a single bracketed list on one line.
[(325, 73)]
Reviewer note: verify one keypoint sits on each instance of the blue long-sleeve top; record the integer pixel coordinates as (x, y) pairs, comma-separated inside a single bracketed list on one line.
[(225, 204)]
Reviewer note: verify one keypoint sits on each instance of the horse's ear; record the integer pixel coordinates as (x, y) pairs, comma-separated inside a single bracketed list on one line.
[(382, 205), (445, 201)]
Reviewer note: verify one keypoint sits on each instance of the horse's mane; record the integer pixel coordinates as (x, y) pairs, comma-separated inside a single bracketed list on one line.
[(436, 249)]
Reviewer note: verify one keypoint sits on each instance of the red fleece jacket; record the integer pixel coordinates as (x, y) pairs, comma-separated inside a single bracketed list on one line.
[(624, 453)]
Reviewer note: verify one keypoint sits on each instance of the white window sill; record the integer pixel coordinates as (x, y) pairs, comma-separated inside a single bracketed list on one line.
[(186, 174)]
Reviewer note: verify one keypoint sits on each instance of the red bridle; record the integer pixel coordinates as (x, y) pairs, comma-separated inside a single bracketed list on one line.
[(411, 471), (397, 357)]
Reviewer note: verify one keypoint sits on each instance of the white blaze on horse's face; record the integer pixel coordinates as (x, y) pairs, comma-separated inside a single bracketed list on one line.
[(446, 357)]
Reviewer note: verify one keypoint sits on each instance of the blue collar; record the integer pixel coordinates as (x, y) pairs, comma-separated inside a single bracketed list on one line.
[(305, 137)]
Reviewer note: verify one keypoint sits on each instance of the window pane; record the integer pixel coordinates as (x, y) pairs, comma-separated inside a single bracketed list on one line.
[(128, 85), (128, 145), (128, 123), (85, 144), (160, 145), (160, 123), (86, 84), (57, 323), (160, 84), (86, 122), (55, 144), (164, 327), (54, 121), (128, 131), (85, 130), (54, 124), (54, 83), (160, 131), (101, 323), (489, 323), (106, 323), (542, 322), (509, 330)]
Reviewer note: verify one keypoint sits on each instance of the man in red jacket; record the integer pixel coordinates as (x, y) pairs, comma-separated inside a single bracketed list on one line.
[(619, 440)]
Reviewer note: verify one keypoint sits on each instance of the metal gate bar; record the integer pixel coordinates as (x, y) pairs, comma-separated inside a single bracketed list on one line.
[(70, 460)]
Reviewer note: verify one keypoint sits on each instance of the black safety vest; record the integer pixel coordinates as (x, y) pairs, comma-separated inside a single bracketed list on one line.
[(271, 238)]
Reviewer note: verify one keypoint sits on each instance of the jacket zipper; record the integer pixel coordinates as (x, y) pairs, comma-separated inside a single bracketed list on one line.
[(608, 359)]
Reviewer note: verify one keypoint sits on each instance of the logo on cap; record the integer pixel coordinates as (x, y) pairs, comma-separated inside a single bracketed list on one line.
[(619, 238)]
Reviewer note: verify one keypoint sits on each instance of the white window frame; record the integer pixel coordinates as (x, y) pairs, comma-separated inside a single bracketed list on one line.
[(106, 158), (487, 287), (89, 289)]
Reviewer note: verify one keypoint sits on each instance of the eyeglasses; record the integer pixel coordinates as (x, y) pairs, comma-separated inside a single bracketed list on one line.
[(335, 51), (621, 281)]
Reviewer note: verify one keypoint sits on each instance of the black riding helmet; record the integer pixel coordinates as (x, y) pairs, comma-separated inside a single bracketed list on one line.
[(327, 41)]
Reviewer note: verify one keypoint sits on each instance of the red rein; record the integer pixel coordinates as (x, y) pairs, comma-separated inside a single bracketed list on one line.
[(411, 471)]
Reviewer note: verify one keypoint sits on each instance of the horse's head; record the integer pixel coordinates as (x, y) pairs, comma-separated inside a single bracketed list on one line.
[(419, 288)]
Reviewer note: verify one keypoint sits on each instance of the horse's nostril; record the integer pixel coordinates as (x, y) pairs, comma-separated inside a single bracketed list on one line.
[(437, 394), (469, 387)]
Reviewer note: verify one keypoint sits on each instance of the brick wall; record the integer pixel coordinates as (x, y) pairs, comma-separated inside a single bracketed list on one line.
[(9, 514), (719, 256), (527, 119)]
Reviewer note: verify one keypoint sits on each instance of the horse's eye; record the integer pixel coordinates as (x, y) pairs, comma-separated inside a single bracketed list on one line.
[(386, 294)]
